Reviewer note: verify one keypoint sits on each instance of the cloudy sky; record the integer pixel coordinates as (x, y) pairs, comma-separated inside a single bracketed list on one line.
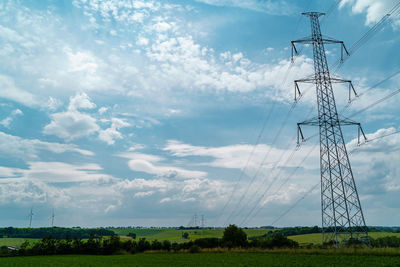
[(146, 112)]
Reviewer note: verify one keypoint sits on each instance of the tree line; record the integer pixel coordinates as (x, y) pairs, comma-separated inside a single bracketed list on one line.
[(302, 230), (233, 237), (55, 232)]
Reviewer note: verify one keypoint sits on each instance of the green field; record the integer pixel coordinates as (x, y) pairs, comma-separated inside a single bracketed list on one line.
[(16, 242), (204, 259), (175, 235), (317, 238)]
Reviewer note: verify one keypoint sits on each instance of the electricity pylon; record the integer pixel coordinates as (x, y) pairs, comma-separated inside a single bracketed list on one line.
[(30, 218), (52, 219), (342, 216)]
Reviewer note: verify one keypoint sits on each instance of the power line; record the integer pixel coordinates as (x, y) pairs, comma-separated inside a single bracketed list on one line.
[(248, 160), (276, 177), (262, 162), (375, 103), (284, 183), (284, 122), (360, 43), (256, 144), (363, 39), (312, 188), (370, 88), (368, 35), (296, 203), (269, 185)]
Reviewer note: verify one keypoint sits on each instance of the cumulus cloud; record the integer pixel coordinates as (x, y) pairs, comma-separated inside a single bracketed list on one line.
[(103, 110), (375, 10), (74, 123), (110, 134), (7, 121), (80, 101), (71, 125), (91, 190), (177, 60)]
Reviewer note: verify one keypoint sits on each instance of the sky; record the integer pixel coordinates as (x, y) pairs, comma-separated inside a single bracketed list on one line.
[(145, 113)]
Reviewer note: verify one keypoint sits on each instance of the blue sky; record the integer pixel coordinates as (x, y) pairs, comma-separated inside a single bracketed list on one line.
[(144, 112)]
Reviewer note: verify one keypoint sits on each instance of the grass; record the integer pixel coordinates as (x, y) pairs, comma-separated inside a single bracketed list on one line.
[(16, 242), (204, 259), (317, 238), (175, 235)]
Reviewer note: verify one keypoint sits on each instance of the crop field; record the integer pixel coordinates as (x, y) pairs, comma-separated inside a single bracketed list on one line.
[(204, 259), (175, 235), (15, 242), (317, 238)]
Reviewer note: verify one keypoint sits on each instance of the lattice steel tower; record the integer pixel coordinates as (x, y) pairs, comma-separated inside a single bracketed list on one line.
[(342, 216)]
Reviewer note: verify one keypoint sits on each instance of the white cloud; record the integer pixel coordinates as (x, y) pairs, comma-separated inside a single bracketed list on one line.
[(162, 26), (375, 10), (236, 156), (134, 147), (110, 134), (30, 148), (150, 164), (60, 172), (39, 183), (80, 101), (264, 6), (7, 121), (71, 125), (10, 91), (186, 64), (81, 61), (142, 41), (144, 194), (103, 110)]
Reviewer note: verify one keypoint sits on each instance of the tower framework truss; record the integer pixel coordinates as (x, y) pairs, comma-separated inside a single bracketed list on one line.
[(342, 216)]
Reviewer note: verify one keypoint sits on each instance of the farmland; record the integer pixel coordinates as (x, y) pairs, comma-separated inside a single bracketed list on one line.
[(15, 242), (205, 259), (175, 235), (317, 238)]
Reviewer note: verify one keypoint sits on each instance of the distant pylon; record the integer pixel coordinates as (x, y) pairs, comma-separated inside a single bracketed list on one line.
[(342, 216), (30, 217), (52, 219), (195, 220)]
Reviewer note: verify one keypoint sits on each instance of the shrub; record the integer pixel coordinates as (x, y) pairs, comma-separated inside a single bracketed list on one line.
[(194, 249), (234, 237)]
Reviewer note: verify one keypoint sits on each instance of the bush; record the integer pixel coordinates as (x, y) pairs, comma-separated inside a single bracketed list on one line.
[(276, 241), (234, 237), (185, 235), (194, 249), (211, 242), (133, 235)]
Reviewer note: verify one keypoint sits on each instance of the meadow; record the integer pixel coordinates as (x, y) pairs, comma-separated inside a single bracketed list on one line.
[(175, 235), (205, 259), (16, 242), (317, 238)]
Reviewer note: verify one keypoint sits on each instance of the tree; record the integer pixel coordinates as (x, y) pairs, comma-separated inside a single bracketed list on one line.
[(133, 235), (185, 235), (234, 237)]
